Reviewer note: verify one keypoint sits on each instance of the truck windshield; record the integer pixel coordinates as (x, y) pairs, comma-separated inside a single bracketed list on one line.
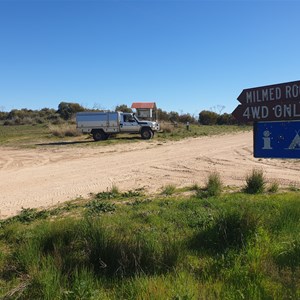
[(135, 117)]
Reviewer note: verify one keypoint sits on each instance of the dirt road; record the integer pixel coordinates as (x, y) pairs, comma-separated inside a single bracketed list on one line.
[(51, 174)]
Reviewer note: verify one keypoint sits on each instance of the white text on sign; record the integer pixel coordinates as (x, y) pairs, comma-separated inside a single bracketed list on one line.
[(279, 111), (273, 93)]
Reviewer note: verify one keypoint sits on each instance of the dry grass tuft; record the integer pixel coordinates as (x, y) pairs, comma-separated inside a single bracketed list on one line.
[(64, 130), (167, 127)]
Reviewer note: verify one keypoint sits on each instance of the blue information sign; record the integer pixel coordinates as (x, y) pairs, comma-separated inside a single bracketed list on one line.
[(277, 139)]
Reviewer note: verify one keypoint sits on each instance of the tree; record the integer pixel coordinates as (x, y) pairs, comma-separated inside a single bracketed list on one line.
[(184, 118), (208, 117), (226, 119), (173, 116), (3, 115), (67, 109), (162, 115), (123, 108)]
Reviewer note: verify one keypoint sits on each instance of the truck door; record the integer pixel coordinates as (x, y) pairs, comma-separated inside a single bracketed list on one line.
[(129, 124)]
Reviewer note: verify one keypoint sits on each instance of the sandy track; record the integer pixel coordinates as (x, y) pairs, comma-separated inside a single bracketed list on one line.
[(52, 174)]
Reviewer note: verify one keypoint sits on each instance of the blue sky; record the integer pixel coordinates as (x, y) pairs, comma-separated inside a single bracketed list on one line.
[(186, 56)]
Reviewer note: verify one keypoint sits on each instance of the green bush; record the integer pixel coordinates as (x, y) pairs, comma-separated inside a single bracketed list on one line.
[(214, 184), (208, 117), (212, 188), (96, 207), (255, 182), (226, 119)]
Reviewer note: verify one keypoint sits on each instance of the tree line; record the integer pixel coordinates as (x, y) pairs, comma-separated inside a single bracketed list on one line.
[(67, 110), (205, 117)]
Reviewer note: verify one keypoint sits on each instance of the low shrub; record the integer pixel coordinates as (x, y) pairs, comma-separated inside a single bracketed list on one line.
[(169, 189), (106, 195), (112, 194), (255, 182), (96, 207), (64, 130), (274, 187), (212, 188), (131, 194), (194, 187), (115, 190), (293, 188), (214, 184), (9, 123), (166, 127), (26, 216)]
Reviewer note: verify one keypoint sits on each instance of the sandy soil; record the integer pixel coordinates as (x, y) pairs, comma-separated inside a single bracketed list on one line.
[(51, 174)]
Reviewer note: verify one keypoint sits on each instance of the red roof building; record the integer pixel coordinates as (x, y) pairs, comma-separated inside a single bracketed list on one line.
[(145, 110), (143, 105)]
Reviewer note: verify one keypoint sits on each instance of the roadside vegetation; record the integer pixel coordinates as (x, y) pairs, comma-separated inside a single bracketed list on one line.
[(256, 182), (66, 134), (178, 244), (29, 128)]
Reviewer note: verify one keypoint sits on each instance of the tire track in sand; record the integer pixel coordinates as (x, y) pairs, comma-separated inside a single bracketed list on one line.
[(48, 175)]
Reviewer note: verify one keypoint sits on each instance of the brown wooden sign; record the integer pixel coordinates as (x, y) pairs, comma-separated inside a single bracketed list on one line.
[(270, 93), (275, 102)]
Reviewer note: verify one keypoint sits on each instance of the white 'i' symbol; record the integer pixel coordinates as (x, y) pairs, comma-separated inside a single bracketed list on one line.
[(267, 140)]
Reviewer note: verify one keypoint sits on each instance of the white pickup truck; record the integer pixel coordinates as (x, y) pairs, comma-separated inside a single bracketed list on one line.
[(102, 124)]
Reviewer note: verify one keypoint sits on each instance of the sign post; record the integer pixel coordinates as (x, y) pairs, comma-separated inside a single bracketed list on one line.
[(275, 111)]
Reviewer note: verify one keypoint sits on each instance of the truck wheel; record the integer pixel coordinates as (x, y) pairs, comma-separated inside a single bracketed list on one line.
[(146, 134), (99, 135)]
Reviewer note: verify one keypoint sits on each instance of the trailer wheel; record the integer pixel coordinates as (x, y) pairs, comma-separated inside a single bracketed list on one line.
[(146, 134), (99, 135)]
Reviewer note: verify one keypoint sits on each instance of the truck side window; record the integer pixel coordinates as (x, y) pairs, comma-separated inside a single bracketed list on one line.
[(128, 118)]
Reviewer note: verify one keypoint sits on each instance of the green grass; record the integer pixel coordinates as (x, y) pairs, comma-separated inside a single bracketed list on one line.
[(23, 134), (169, 189), (35, 135), (180, 132), (30, 136), (135, 246)]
